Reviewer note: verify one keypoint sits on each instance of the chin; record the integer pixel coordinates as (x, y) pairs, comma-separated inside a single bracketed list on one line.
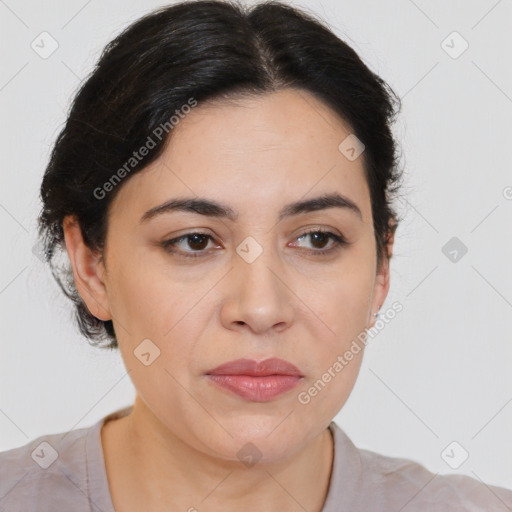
[(266, 437)]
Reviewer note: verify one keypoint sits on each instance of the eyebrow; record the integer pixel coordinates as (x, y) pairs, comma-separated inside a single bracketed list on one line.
[(212, 208)]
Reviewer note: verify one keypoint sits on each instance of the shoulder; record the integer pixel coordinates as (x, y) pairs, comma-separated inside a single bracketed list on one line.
[(413, 487), (31, 475), (389, 483)]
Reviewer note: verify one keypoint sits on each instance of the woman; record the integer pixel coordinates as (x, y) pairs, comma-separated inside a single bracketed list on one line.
[(223, 188)]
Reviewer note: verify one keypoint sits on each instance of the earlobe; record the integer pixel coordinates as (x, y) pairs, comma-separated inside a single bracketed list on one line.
[(88, 270), (382, 279), (380, 291)]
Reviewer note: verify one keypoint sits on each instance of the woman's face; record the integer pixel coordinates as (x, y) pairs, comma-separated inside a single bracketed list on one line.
[(258, 286)]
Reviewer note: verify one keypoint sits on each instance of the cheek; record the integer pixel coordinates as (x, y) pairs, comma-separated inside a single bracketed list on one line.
[(137, 302), (344, 298), (142, 297), (154, 333), (147, 304), (338, 348), (342, 303)]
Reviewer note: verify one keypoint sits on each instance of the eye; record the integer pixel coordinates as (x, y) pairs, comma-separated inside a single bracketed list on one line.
[(195, 244), (320, 239), (196, 241)]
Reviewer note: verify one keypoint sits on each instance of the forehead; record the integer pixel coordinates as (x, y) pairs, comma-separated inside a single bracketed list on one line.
[(258, 151)]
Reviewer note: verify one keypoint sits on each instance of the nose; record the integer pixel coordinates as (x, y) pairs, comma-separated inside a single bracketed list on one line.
[(258, 296)]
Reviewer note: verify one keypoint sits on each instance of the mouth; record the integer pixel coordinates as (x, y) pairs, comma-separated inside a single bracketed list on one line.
[(256, 381)]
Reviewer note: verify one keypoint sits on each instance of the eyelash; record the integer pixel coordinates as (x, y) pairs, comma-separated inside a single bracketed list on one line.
[(339, 242)]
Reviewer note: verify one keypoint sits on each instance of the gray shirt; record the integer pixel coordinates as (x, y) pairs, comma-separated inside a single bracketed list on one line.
[(66, 473)]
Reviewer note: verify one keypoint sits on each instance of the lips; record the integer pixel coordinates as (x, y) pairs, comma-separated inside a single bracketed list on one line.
[(256, 381), (272, 366)]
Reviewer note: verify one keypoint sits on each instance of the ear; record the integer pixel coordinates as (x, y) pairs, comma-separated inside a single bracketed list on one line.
[(88, 270), (382, 278)]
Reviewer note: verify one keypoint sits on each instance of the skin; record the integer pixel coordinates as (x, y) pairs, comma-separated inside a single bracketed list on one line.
[(177, 449)]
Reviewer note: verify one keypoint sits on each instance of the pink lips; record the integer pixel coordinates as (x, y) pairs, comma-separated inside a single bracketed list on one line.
[(256, 381)]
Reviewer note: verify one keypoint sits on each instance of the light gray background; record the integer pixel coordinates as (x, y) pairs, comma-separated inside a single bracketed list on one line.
[(441, 370)]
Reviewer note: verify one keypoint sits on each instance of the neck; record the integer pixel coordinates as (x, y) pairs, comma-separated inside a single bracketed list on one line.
[(155, 470)]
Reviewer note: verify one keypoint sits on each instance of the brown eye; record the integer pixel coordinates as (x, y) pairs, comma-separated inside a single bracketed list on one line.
[(320, 239), (197, 241), (193, 245)]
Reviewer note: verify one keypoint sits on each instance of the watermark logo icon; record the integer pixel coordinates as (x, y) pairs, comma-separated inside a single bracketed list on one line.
[(249, 249), (249, 455), (38, 250), (454, 249), (44, 45), (454, 45), (146, 352), (454, 455), (351, 147), (44, 455)]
